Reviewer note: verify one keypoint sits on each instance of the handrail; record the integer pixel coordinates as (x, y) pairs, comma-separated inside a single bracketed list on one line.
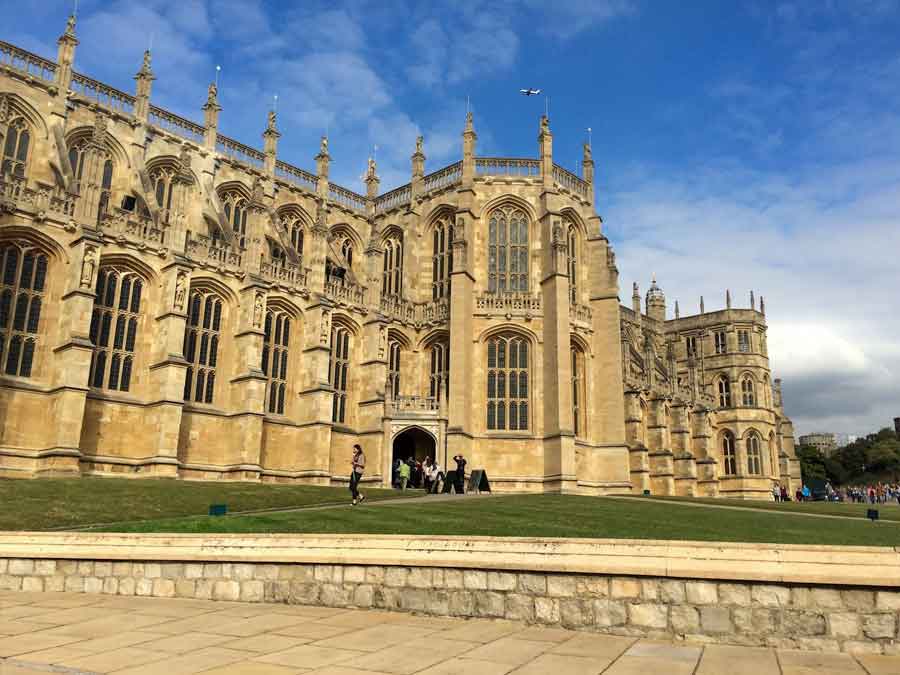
[(508, 302), (507, 166), (104, 95), (240, 152), (347, 198), (297, 176), (443, 178), (391, 200), (26, 62), (570, 181), (175, 124)]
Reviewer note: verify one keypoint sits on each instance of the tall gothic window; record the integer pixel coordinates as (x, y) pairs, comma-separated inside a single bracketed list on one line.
[(441, 260), (578, 389), (164, 181), (15, 149), (347, 251), (572, 262), (720, 342), (24, 271), (691, 345), (748, 391), (293, 225), (729, 458), (78, 154), (394, 368), (439, 378), (392, 276), (338, 367), (743, 341), (236, 215), (114, 327), (276, 339), (201, 346), (507, 383), (724, 386), (754, 458), (508, 251)]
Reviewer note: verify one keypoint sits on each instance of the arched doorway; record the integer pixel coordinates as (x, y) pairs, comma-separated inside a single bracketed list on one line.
[(412, 442)]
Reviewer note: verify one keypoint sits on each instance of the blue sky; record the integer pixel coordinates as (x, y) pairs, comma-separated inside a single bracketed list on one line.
[(738, 144)]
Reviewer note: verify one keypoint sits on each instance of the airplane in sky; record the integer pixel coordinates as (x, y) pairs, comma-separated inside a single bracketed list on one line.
[(529, 92)]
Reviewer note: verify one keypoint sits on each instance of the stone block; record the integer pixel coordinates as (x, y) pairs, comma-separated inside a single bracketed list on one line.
[(375, 574), (164, 588), (533, 584), (333, 595), (68, 567), (501, 581), (884, 600), (54, 584), (414, 599), (559, 586), (489, 604), (85, 567), (354, 574), (701, 593), (137, 569), (648, 615), (462, 603), (624, 587), (818, 644), (74, 584), (8, 582), (734, 594), (795, 623), (453, 579), (387, 598), (650, 589), (226, 590), (842, 624), (863, 601), (684, 619), (203, 589), (193, 570), (716, 620), (92, 585), (609, 613), (475, 580), (854, 647), (419, 577), (879, 625), (770, 596), (184, 588), (332, 573), (4, 565), (575, 613), (252, 590), (45, 568), (826, 598), (266, 572), (437, 575), (305, 594), (143, 587), (33, 584), (111, 585), (519, 607), (363, 594), (672, 591), (122, 569), (278, 591), (546, 610), (173, 571), (103, 569), (212, 570), (396, 577), (20, 567), (242, 571), (593, 586)]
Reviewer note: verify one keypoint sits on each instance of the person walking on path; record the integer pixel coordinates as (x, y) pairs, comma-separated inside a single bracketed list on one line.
[(404, 472), (359, 467)]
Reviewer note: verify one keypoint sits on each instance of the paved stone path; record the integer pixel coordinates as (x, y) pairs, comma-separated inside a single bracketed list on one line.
[(84, 633)]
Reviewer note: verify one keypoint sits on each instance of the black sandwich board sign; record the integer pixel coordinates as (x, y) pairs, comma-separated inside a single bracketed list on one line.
[(478, 481)]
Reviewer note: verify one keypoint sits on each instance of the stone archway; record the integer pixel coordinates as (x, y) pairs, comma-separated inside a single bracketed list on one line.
[(412, 442)]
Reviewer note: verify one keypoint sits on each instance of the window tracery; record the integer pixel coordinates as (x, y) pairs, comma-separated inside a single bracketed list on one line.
[(235, 206), (22, 287), (508, 251), (201, 345), (338, 369), (754, 458), (441, 260), (15, 149), (439, 377), (572, 262), (729, 457), (276, 340), (392, 275), (114, 327), (724, 386), (394, 368), (507, 383), (748, 391), (578, 390)]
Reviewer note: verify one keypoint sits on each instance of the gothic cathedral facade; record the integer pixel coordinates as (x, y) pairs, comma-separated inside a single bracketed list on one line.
[(174, 303)]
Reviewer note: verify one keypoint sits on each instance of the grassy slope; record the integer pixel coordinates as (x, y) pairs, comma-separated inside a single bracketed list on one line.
[(58, 503), (890, 511), (553, 516)]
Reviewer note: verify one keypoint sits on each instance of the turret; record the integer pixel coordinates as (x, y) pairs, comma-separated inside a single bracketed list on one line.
[(418, 168), (211, 115), (65, 56), (144, 80), (270, 142), (776, 393), (656, 302), (468, 160), (545, 146), (727, 299), (587, 170), (636, 299), (372, 180)]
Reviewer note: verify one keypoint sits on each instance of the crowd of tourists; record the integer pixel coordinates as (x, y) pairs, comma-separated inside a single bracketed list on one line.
[(878, 493), (427, 474)]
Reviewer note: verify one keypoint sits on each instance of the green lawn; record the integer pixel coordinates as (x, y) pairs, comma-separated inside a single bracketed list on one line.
[(889, 511), (71, 502), (551, 516)]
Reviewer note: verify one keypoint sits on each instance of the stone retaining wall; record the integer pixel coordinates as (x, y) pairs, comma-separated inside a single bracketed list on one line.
[(818, 617)]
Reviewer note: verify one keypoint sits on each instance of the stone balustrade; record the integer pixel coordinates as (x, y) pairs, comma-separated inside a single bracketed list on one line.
[(175, 124), (345, 292), (134, 226), (507, 166), (513, 304), (210, 252), (568, 180), (26, 63), (443, 178), (110, 98), (580, 314), (400, 405), (284, 273), (41, 201)]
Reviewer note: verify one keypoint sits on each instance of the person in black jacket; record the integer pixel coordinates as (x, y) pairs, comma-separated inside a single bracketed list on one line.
[(460, 473)]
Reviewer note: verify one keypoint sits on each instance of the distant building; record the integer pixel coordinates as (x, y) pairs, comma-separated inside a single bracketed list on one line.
[(826, 443)]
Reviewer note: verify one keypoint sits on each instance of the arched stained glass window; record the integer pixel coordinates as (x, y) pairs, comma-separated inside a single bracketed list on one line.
[(392, 275), (338, 371), (393, 368), (724, 387), (276, 340), (23, 277), (578, 390), (754, 458), (507, 383), (729, 458), (201, 345), (572, 262), (748, 391), (441, 260), (114, 328), (15, 149), (235, 206), (439, 377), (508, 251)]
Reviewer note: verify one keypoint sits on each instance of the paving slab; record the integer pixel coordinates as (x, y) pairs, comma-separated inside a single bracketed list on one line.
[(389, 660), (307, 656), (468, 667), (508, 650), (817, 663), (718, 659), (116, 659), (647, 657), (608, 647), (563, 664), (880, 665)]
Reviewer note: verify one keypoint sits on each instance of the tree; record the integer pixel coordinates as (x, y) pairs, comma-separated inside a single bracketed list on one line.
[(812, 464)]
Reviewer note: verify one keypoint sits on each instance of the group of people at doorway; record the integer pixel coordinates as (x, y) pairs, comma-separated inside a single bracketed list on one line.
[(426, 474)]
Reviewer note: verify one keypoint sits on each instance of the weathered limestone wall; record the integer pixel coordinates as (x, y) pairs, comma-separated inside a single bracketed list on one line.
[(816, 617)]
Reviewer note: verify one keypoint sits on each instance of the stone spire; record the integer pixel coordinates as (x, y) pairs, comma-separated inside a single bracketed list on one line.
[(636, 299), (211, 115), (270, 141), (677, 312), (372, 180), (656, 302), (727, 299), (702, 310), (65, 55), (144, 79), (752, 301)]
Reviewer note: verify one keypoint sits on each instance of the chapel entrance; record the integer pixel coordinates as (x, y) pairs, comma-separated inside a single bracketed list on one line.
[(412, 442)]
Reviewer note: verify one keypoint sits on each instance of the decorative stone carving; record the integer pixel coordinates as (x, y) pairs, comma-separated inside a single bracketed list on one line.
[(180, 290), (4, 109), (258, 191), (323, 146), (101, 123), (212, 95), (258, 311), (382, 341), (270, 126), (88, 266), (420, 140), (325, 334)]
